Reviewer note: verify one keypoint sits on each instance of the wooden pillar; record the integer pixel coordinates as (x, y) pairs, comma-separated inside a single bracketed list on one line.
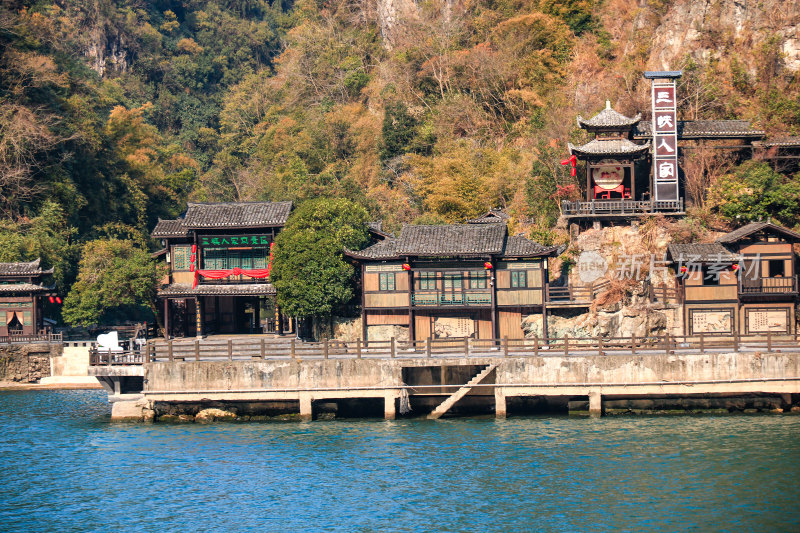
[(493, 283), (279, 318), (545, 299), (363, 303), (198, 307), (412, 334), (257, 314), (216, 312), (166, 318), (34, 315), (633, 182)]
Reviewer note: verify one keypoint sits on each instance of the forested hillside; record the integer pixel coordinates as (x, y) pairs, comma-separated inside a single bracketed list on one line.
[(115, 113)]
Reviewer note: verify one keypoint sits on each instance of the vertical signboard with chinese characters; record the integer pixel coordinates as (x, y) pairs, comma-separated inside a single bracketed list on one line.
[(665, 139)]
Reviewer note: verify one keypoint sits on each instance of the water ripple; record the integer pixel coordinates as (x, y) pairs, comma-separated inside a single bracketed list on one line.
[(67, 468)]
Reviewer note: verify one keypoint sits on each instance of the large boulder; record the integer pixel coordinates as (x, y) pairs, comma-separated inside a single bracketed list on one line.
[(213, 414)]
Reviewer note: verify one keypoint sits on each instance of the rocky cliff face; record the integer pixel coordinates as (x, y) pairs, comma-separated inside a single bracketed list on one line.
[(391, 16), (634, 257), (639, 319), (704, 28)]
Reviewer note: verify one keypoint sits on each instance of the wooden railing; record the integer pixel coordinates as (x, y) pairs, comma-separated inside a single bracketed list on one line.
[(98, 357), (664, 294), (459, 297), (40, 337), (768, 286), (620, 207), (573, 294), (291, 349)]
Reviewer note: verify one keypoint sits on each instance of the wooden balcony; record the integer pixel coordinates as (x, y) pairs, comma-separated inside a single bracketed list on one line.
[(241, 279), (620, 208), (761, 287), (448, 298)]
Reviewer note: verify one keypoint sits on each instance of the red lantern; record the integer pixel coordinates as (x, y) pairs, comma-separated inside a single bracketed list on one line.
[(406, 266), (734, 267), (52, 300), (684, 270), (487, 265), (194, 248), (58, 300), (191, 267), (572, 161)]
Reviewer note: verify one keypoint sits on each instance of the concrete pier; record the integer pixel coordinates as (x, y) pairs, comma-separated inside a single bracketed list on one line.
[(306, 407), (595, 403), (245, 384)]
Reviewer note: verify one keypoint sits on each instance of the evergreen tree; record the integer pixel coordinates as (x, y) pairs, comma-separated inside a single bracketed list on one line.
[(309, 270)]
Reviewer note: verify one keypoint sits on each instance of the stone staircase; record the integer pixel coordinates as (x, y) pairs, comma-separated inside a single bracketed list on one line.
[(446, 405)]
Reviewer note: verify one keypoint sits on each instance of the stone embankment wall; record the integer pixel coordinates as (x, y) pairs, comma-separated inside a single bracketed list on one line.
[(255, 390), (26, 363), (230, 378)]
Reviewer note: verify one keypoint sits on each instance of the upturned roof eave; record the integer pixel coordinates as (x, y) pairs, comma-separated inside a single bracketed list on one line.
[(579, 151)]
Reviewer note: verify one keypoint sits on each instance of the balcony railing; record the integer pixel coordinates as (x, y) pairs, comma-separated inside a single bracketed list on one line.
[(765, 286), (42, 336), (451, 298), (231, 280), (620, 207)]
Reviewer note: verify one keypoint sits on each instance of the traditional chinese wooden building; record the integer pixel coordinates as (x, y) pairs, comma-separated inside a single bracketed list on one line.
[(745, 282), (462, 280), (610, 160), (219, 260), (633, 166), (21, 293)]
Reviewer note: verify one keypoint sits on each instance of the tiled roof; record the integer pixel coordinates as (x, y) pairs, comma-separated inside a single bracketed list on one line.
[(609, 147), (517, 246), (785, 141), (453, 240), (30, 268), (704, 129), (702, 253), (755, 227), (386, 249), (240, 289), (169, 228), (608, 118), (22, 288), (492, 216), (237, 215)]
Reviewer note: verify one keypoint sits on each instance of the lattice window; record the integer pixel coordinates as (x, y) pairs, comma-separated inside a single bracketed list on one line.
[(181, 258), (519, 279)]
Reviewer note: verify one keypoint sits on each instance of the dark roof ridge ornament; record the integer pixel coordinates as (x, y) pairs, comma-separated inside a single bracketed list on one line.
[(662, 74)]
